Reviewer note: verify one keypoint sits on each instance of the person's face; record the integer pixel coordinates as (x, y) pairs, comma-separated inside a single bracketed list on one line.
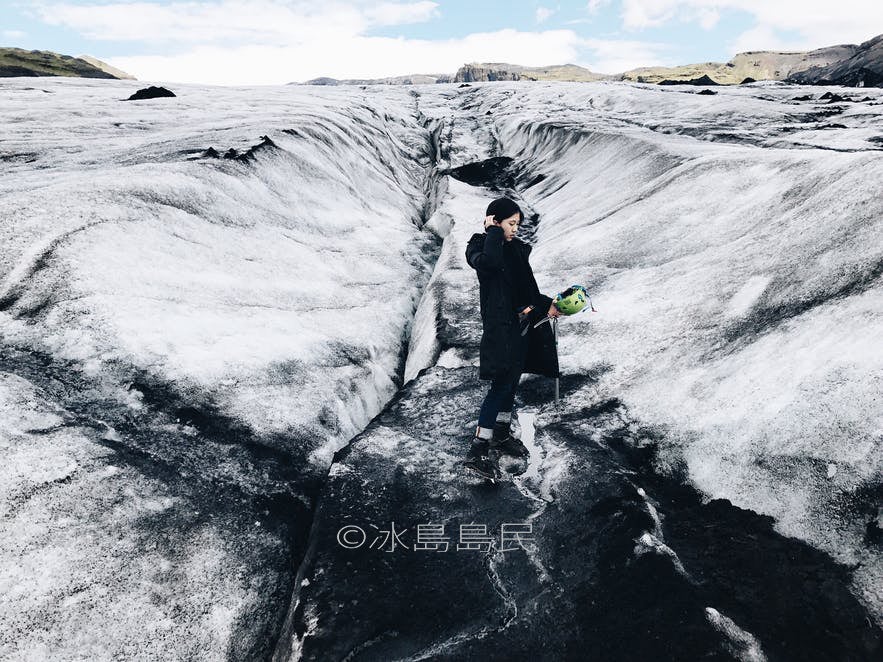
[(510, 227)]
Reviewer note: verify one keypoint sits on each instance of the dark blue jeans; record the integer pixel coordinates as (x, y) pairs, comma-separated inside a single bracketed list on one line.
[(500, 397)]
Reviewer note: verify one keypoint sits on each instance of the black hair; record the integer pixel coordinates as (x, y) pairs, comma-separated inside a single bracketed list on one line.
[(504, 208)]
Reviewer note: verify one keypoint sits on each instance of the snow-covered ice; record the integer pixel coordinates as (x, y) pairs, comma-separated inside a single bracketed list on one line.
[(732, 245), (279, 288)]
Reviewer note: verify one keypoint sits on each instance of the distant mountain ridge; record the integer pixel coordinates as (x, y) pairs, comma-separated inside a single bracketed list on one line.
[(845, 64), (850, 65), (476, 72), (759, 65), (21, 62), (412, 79)]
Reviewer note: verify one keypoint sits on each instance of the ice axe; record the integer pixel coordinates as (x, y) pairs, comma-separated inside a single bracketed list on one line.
[(570, 302), (555, 335)]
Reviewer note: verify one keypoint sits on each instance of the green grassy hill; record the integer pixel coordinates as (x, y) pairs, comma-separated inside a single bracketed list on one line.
[(19, 62)]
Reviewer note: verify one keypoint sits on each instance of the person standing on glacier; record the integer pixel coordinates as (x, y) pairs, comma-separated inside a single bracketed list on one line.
[(510, 304)]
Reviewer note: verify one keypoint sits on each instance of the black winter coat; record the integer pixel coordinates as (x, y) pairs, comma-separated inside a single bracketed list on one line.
[(504, 352)]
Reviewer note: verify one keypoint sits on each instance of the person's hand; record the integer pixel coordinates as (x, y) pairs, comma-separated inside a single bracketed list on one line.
[(489, 221), (553, 311)]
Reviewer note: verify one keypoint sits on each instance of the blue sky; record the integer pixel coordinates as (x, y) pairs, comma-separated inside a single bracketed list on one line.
[(278, 41)]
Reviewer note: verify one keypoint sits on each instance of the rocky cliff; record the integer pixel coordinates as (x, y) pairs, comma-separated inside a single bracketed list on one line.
[(491, 71), (861, 68)]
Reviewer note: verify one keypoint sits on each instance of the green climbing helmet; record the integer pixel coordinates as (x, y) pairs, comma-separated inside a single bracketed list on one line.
[(572, 300)]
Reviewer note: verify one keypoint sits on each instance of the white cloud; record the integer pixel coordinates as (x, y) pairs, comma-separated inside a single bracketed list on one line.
[(395, 13), (765, 38), (543, 13), (805, 24), (265, 22), (14, 34), (355, 57), (708, 18), (639, 14), (613, 56), (595, 5)]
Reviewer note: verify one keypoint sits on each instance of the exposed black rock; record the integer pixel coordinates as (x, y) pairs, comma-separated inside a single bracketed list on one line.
[(464, 85), (702, 80), (805, 97), (25, 157), (493, 173), (266, 143), (706, 92), (249, 154), (746, 81), (834, 98), (151, 92)]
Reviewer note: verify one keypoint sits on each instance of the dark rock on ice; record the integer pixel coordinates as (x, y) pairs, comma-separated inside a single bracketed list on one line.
[(151, 92), (265, 143), (493, 173), (702, 80), (835, 98)]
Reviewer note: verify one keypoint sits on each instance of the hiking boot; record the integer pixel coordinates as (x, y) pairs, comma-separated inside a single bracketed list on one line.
[(482, 460), (510, 428), (511, 446), (506, 438)]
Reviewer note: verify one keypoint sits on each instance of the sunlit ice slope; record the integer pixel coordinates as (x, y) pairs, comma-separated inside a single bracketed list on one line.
[(276, 287), (733, 247)]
